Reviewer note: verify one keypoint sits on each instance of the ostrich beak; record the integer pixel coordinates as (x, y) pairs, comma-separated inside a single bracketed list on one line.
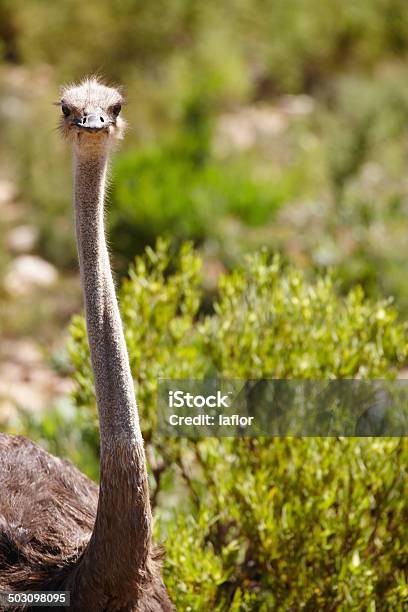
[(94, 122)]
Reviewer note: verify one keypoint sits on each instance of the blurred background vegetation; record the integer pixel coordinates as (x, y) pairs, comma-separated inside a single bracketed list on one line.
[(252, 124)]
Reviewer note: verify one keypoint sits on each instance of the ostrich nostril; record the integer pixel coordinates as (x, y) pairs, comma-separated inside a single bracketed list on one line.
[(102, 119)]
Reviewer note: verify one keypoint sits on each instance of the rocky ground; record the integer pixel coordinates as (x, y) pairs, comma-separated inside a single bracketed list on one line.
[(27, 380), (36, 304)]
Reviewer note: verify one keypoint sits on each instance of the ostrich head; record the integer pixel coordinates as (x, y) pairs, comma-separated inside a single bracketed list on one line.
[(91, 114)]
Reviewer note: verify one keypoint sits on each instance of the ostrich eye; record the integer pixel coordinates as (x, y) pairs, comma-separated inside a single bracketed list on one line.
[(66, 110), (116, 109)]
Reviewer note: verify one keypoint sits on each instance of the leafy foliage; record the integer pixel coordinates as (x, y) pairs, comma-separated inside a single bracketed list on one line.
[(167, 191)]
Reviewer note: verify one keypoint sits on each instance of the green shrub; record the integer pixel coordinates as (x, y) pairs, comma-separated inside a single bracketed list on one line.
[(296, 524), (167, 191), (260, 524)]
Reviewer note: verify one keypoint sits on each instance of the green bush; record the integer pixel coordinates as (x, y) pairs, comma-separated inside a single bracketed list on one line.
[(168, 191), (311, 524), (367, 156), (259, 524)]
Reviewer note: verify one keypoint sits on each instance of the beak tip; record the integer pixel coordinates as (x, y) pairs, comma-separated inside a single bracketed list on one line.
[(93, 122)]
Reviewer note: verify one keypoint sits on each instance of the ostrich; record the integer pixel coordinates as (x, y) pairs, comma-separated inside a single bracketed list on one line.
[(56, 532)]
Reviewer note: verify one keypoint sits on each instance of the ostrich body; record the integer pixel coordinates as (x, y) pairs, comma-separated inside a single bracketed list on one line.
[(56, 531)]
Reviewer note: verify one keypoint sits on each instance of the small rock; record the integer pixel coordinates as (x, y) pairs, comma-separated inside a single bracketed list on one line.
[(29, 272), (298, 105), (7, 411), (245, 127), (23, 351), (8, 192), (22, 238)]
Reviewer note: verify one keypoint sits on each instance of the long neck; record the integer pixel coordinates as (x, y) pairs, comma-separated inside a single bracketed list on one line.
[(120, 544)]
